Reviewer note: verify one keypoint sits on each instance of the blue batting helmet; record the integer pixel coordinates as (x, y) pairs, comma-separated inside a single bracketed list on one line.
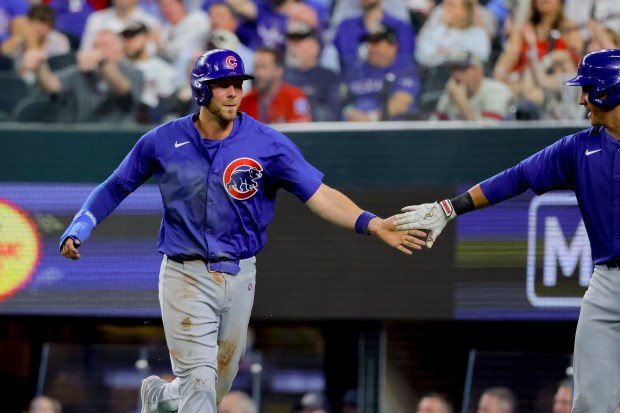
[(601, 71), (211, 65)]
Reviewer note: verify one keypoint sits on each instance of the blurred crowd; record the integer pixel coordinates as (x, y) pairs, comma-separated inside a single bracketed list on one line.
[(128, 61)]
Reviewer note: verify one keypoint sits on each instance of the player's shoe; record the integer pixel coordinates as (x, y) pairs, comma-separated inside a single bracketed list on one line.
[(147, 391)]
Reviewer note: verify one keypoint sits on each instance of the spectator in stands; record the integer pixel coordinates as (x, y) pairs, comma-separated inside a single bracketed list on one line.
[(14, 26), (271, 99), (563, 399), (49, 42), (44, 404), (320, 85), (265, 23), (604, 14), (546, 30), (434, 403), (384, 86), (311, 402), (451, 33), (116, 18), (349, 33), (224, 21), (497, 400), (236, 402), (602, 38), (346, 9), (469, 95), (71, 17), (183, 34), (160, 77), (102, 86), (559, 100)]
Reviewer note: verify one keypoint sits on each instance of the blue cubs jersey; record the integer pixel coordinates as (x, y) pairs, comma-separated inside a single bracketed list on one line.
[(588, 163), (217, 200)]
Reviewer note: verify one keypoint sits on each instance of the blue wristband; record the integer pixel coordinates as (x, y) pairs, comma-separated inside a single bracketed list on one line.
[(361, 225)]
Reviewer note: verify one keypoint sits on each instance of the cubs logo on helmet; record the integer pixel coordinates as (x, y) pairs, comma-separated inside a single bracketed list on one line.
[(231, 62), (241, 178)]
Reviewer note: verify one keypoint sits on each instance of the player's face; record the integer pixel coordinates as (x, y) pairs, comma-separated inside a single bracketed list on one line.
[(562, 400), (226, 98)]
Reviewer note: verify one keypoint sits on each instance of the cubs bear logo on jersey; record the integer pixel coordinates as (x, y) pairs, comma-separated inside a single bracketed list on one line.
[(231, 62), (241, 178)]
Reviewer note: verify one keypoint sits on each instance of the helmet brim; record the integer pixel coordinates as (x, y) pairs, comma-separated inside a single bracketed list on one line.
[(207, 79)]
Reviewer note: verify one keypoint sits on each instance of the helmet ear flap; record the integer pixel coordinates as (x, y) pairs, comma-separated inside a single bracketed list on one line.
[(201, 92), (605, 98)]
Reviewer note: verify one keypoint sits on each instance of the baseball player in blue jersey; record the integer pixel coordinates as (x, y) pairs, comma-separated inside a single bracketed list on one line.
[(218, 172), (588, 163)]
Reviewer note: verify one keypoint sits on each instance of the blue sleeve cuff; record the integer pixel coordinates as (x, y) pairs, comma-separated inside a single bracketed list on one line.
[(80, 228)]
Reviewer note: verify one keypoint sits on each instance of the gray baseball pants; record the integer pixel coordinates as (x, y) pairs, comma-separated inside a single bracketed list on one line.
[(205, 316), (597, 345)]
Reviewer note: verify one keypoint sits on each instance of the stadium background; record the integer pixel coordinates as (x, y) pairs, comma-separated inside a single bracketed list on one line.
[(333, 310)]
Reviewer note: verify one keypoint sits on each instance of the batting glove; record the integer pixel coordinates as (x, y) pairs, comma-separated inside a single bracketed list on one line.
[(432, 217)]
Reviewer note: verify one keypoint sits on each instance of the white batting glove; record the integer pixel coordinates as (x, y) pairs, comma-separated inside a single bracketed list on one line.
[(432, 217)]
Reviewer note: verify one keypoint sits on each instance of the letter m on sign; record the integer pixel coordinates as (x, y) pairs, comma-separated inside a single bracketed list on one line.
[(551, 220)]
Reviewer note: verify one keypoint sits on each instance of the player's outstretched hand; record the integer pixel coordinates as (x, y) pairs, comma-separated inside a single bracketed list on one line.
[(70, 248), (432, 217), (404, 241)]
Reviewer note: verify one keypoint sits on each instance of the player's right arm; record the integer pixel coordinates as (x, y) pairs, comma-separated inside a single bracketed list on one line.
[(99, 204), (546, 170), (135, 169)]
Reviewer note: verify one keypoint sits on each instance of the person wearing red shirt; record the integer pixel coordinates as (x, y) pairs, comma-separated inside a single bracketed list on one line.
[(271, 100)]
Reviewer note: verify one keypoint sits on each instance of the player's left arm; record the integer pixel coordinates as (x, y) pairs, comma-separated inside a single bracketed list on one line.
[(336, 208)]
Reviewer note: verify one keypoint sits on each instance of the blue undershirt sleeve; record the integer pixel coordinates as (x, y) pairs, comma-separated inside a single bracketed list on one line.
[(99, 204), (505, 185)]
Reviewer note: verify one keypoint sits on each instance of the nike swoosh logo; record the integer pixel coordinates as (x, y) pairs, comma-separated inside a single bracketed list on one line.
[(178, 145), (589, 152)]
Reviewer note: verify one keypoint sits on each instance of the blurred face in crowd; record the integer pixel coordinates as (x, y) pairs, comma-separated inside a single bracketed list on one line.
[(109, 44), (41, 405), (41, 28), (267, 75), (135, 46), (381, 53), (431, 405), (548, 6), (172, 10), (470, 76), (226, 98), (489, 403), (370, 4), (456, 13), (302, 52), (563, 400), (123, 5), (233, 403), (222, 18)]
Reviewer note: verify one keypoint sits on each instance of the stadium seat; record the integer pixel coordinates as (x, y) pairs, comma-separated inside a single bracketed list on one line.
[(6, 63), (14, 89), (41, 108)]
